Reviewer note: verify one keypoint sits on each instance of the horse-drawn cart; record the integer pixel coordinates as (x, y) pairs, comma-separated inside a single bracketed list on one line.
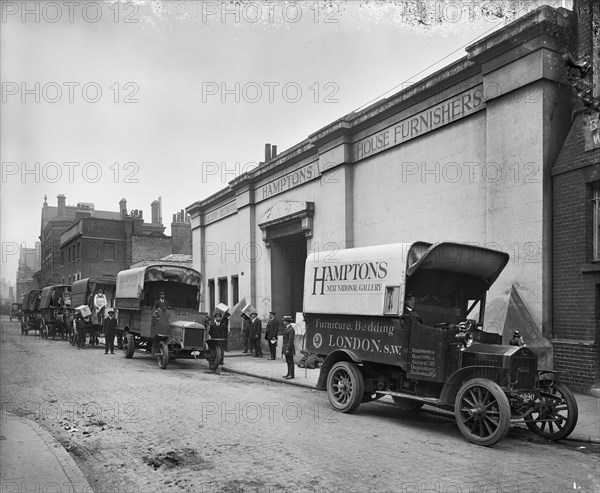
[(54, 300), (32, 319)]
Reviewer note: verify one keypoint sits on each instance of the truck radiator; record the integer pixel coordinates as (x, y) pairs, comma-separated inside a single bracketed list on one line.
[(523, 372), (194, 338)]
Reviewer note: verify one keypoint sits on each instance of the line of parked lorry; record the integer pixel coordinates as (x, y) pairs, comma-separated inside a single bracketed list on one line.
[(371, 342), (177, 331)]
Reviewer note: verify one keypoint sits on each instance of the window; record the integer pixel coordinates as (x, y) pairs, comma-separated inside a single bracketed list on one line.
[(108, 251), (596, 221), (235, 289), (223, 290), (392, 300), (211, 296)]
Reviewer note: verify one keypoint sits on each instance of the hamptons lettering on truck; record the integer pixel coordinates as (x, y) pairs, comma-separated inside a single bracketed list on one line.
[(365, 271)]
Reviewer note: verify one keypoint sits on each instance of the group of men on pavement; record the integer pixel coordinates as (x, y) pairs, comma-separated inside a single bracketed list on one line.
[(252, 335)]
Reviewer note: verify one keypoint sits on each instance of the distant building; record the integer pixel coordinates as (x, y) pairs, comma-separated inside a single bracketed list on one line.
[(6, 290), (55, 221), (29, 264), (94, 246)]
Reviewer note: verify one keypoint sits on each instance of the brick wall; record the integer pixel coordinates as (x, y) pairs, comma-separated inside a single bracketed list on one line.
[(578, 364), (149, 248), (181, 234), (576, 280)]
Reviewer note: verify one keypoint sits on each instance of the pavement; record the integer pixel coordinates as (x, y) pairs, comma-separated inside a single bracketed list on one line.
[(32, 460)]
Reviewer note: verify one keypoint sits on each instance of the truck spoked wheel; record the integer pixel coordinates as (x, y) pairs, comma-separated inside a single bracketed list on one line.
[(216, 355), (407, 405), (162, 355), (128, 345), (482, 412), (555, 414), (345, 387)]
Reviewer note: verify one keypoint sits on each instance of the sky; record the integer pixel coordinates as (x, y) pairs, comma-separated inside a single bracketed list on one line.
[(145, 99)]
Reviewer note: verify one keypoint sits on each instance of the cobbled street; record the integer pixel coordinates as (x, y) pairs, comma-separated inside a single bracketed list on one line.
[(133, 427)]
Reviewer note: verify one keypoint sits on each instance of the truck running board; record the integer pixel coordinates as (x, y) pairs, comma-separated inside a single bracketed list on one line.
[(432, 401)]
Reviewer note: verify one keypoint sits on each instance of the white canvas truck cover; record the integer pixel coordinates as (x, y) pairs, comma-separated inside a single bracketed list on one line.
[(130, 283), (371, 280), (358, 281)]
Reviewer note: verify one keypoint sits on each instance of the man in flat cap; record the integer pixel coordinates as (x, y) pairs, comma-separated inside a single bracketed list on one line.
[(161, 302), (255, 333), (271, 334), (110, 330), (289, 349)]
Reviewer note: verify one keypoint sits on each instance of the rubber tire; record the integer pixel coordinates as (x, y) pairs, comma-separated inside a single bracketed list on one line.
[(406, 405), (128, 345), (345, 387), (162, 355), (214, 360), (566, 397), (496, 419)]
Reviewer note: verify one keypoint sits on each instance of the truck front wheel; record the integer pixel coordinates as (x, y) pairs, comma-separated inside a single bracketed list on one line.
[(555, 414), (482, 412), (345, 387), (215, 356), (128, 345), (162, 355)]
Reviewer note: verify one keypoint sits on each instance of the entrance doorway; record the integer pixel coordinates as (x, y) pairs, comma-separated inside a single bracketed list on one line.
[(288, 258)]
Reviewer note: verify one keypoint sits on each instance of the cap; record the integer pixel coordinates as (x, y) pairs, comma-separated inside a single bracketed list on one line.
[(110, 310), (410, 295), (271, 313), (253, 313), (161, 293), (287, 318)]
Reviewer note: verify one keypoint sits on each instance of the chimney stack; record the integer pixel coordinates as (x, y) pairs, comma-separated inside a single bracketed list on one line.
[(267, 153), (155, 206), (273, 151), (123, 208), (61, 204)]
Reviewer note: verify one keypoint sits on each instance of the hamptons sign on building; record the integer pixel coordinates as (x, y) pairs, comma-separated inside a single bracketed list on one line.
[(437, 116)]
